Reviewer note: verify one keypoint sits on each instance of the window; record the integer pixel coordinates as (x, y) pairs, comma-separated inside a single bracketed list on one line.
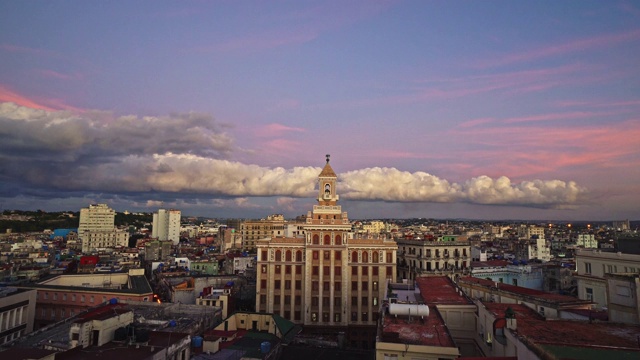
[(263, 284), (325, 286), (365, 270), (298, 284), (299, 255), (287, 284), (326, 270), (264, 256), (91, 298), (73, 297), (365, 316), (365, 285), (354, 286), (314, 317), (375, 271), (375, 301), (277, 285), (325, 317), (337, 271), (589, 294), (263, 299), (276, 300), (287, 300), (336, 317), (264, 269), (327, 255), (354, 316), (55, 296), (316, 239), (64, 297), (46, 296), (376, 257), (365, 256), (365, 301), (389, 272), (354, 301), (336, 302), (298, 299), (587, 268), (337, 254), (327, 240), (298, 269), (337, 286), (296, 315), (278, 269), (389, 260), (314, 286), (278, 255), (354, 257), (82, 298), (314, 301), (287, 256), (326, 301), (338, 239), (316, 255), (287, 269), (316, 270), (375, 286)]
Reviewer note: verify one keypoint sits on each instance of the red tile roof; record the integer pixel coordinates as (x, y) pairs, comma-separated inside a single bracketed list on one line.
[(568, 332), (557, 298), (440, 290), (430, 331)]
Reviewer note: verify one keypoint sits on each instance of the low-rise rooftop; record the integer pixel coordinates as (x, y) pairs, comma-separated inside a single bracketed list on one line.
[(415, 330), (440, 290)]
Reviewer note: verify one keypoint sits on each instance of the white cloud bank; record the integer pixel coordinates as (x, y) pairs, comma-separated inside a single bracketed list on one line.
[(57, 152)]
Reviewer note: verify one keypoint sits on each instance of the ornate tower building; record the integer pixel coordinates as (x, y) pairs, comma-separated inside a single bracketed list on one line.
[(328, 279)]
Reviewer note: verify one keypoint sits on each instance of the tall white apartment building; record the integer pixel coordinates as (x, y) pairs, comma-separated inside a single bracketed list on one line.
[(166, 225), (97, 229), (97, 217)]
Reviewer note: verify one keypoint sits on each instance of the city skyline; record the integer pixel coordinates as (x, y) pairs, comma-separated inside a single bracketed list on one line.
[(477, 110)]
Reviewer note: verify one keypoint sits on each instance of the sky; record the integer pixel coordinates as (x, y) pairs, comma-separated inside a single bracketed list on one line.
[(438, 109)]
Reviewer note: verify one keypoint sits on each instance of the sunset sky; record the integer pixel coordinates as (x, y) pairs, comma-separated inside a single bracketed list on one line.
[(441, 109)]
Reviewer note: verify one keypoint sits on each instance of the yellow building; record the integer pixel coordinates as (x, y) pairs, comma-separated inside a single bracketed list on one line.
[(327, 278)]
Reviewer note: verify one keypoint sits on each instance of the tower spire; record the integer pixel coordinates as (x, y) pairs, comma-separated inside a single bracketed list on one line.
[(328, 156)]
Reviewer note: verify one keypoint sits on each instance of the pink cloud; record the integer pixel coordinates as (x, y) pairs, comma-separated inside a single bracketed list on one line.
[(51, 74), (558, 116), (541, 150), (596, 42), (261, 41), (51, 104), (275, 129), (571, 103), (475, 122)]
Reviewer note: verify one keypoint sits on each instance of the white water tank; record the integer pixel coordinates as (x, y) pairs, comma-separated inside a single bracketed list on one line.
[(409, 309)]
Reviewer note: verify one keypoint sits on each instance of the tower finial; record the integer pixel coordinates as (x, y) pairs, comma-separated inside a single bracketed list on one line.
[(328, 156)]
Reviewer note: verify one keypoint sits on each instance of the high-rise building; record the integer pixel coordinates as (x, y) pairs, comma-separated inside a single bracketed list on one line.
[(97, 229), (97, 217), (166, 225), (326, 278), (253, 230)]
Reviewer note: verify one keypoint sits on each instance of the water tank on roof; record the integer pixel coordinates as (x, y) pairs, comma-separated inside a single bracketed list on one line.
[(196, 341), (409, 309), (113, 301), (265, 347), (172, 323)]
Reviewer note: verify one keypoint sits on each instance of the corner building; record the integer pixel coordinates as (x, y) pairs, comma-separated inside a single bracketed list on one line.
[(329, 279)]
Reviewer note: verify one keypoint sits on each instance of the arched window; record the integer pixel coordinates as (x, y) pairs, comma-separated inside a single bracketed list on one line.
[(287, 255), (327, 240), (278, 255), (376, 257), (299, 255), (354, 257), (338, 239), (365, 256), (316, 239)]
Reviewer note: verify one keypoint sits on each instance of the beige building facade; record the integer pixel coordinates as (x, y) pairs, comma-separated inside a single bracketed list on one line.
[(327, 277)]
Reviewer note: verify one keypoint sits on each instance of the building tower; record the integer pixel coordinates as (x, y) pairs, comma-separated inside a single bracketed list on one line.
[(166, 225), (327, 279)]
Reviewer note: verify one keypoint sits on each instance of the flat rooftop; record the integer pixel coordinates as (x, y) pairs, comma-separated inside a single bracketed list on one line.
[(542, 295), (569, 333), (430, 331), (440, 290)]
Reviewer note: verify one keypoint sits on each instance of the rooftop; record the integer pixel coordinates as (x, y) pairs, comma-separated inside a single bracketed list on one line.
[(569, 333), (430, 331), (440, 290), (518, 290)]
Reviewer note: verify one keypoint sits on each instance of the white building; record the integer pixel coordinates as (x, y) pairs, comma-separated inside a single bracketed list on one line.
[(97, 229), (592, 265), (587, 241), (97, 217), (166, 225)]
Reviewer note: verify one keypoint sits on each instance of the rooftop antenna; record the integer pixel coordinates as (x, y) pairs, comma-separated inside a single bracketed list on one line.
[(328, 156)]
